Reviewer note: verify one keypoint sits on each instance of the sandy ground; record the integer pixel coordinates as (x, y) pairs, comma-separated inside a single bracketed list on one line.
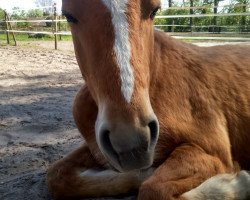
[(37, 88), (36, 126)]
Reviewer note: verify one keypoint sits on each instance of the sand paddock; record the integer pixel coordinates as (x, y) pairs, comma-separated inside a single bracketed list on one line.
[(37, 89), (36, 125)]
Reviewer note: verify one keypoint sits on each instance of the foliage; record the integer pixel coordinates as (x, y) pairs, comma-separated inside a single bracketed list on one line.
[(242, 22), (49, 24), (207, 24), (1, 14), (19, 14), (34, 13), (45, 4)]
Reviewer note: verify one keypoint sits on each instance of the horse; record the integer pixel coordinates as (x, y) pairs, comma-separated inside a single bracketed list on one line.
[(160, 117)]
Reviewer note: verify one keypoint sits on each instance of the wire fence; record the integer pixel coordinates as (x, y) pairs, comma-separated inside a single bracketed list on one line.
[(192, 22), (207, 22)]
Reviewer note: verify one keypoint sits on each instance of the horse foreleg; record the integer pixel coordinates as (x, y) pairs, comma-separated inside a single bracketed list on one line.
[(186, 168), (223, 187), (78, 175)]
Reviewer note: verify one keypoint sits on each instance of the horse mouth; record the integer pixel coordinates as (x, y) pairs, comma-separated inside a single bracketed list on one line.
[(128, 147), (128, 162), (135, 159)]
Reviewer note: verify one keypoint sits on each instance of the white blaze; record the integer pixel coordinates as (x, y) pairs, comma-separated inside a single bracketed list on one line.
[(122, 48)]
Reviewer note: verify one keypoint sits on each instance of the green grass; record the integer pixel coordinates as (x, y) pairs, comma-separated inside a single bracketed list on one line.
[(25, 37)]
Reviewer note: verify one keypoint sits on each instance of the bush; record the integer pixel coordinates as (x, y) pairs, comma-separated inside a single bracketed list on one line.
[(49, 24)]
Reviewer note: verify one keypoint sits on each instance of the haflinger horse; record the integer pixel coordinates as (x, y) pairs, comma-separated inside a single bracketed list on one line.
[(159, 116)]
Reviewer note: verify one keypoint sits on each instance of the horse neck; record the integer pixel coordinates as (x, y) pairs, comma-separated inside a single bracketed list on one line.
[(172, 62)]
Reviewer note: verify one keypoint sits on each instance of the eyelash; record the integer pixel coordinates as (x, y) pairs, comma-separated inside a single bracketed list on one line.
[(153, 14), (70, 18)]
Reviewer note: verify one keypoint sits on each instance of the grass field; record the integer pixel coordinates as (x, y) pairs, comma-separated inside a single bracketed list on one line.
[(25, 37)]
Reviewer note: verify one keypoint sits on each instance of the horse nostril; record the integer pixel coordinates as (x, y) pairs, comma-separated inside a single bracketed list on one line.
[(153, 126), (106, 143), (105, 139)]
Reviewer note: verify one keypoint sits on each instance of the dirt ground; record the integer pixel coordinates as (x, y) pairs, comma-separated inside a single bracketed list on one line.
[(37, 88), (36, 126)]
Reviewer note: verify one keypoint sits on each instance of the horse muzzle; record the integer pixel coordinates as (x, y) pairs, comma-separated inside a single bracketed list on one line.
[(128, 146)]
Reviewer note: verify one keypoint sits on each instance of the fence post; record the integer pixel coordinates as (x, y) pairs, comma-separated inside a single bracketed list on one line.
[(59, 27), (7, 27), (13, 34), (56, 26)]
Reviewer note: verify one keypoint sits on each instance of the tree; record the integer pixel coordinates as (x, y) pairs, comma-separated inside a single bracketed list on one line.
[(238, 6), (44, 3), (243, 9), (2, 15), (216, 4), (169, 3), (47, 4), (170, 28), (18, 13), (191, 12), (34, 13)]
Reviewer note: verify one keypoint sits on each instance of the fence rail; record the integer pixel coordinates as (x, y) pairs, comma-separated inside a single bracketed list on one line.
[(212, 38), (202, 7), (34, 21), (202, 15)]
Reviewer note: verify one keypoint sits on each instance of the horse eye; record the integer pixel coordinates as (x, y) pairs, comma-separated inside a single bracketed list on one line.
[(70, 18), (153, 14)]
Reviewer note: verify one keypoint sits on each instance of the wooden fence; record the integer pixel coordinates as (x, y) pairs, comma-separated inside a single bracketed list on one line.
[(55, 29), (56, 32)]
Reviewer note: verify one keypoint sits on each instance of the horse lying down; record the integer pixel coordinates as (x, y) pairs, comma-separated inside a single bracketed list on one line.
[(159, 116)]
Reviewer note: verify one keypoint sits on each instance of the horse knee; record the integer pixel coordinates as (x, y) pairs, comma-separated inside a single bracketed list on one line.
[(53, 177), (149, 191), (56, 176), (159, 191)]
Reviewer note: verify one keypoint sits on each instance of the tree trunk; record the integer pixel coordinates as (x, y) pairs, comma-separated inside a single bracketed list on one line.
[(169, 3), (243, 18), (191, 12), (216, 3), (170, 28)]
